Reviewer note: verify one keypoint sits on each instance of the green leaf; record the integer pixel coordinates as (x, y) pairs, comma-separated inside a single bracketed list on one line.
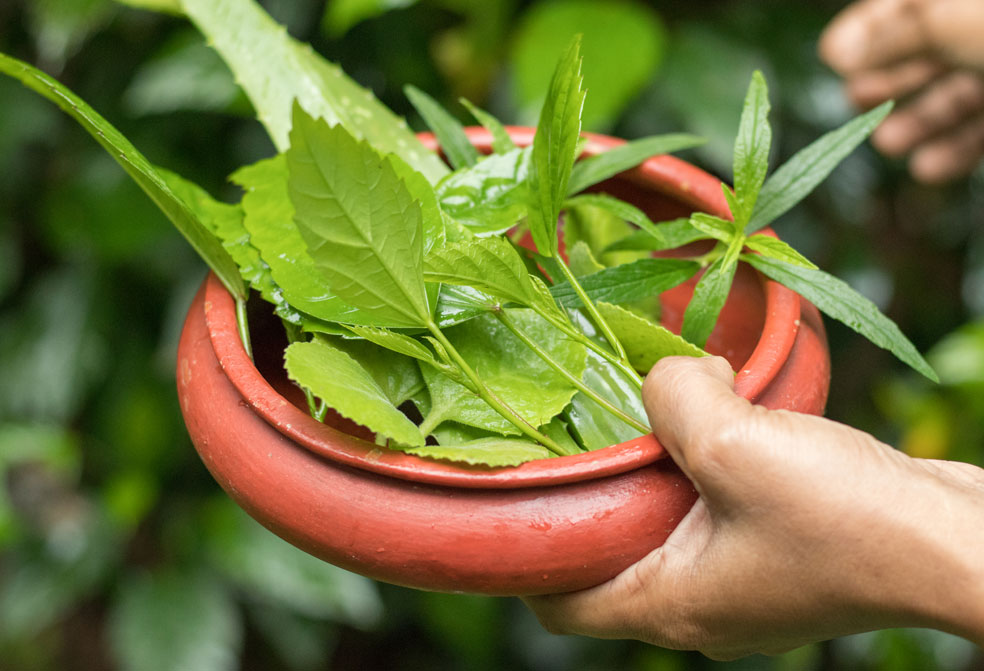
[(434, 222), (628, 282), (774, 248), (666, 235), (274, 70), (709, 297), (490, 265), (595, 427), (615, 206), (170, 620), (344, 385), (137, 166), (501, 141), (751, 160), (798, 176), (398, 343), (165, 6), (713, 227), (555, 147), (645, 342), (491, 196), (457, 304), (362, 227), (450, 134), (507, 366), (494, 452), (590, 171), (397, 374), (838, 300), (340, 15), (581, 260)]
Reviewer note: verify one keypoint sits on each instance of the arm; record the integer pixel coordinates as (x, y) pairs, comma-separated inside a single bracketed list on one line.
[(929, 55), (805, 530)]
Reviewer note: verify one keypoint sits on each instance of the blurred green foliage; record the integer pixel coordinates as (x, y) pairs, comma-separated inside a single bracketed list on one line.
[(117, 551)]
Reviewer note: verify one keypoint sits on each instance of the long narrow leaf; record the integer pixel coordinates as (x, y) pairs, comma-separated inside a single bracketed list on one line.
[(501, 142), (628, 282), (798, 176), (450, 134), (666, 235), (751, 159), (838, 300), (709, 297), (607, 164)]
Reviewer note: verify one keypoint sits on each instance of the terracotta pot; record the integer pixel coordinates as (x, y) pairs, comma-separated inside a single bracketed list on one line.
[(547, 526)]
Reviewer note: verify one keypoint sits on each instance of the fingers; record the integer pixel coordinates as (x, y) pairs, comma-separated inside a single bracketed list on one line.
[(954, 155), (873, 33), (871, 88)]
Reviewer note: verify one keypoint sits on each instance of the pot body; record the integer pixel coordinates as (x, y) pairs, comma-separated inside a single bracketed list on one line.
[(548, 526)]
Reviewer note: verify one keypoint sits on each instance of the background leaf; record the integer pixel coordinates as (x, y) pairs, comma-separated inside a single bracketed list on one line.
[(491, 196), (449, 132), (594, 169), (486, 452)]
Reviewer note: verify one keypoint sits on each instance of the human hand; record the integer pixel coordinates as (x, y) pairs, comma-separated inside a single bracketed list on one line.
[(805, 530), (929, 55)]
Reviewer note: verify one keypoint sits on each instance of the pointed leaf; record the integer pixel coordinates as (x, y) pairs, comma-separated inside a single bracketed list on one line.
[(274, 70), (362, 227), (494, 452), (628, 282), (347, 387), (713, 227), (645, 342), (490, 265), (400, 343), (615, 206), (450, 134), (491, 196), (751, 160), (137, 166), (666, 235), (838, 300), (797, 177), (709, 297), (598, 168), (555, 147), (501, 141), (774, 248)]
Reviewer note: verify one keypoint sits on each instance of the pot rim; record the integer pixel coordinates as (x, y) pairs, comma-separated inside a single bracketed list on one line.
[(664, 173)]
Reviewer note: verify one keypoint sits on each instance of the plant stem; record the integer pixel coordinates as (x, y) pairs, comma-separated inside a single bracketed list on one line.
[(596, 317), (316, 411), (489, 396), (569, 376), (242, 321)]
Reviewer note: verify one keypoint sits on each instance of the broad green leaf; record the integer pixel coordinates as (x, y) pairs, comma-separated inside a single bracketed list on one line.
[(595, 427), (838, 300), (170, 620), (507, 366), (501, 141), (581, 260), (335, 377), (491, 196), (624, 44), (709, 297), (557, 429), (274, 70), (628, 282), (751, 161), (362, 227), (774, 248), (590, 171), (798, 176), (554, 148), (490, 265), (400, 344), (713, 227), (434, 221), (269, 219), (666, 235), (645, 342), (397, 374), (456, 304), (137, 166), (494, 452), (450, 134)]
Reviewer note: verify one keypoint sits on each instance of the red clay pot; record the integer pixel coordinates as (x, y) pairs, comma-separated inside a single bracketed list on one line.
[(547, 526)]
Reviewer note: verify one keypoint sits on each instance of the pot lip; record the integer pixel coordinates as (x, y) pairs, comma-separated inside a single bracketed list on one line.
[(665, 173)]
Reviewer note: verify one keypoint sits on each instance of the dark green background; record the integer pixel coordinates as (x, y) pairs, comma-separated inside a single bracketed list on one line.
[(118, 551)]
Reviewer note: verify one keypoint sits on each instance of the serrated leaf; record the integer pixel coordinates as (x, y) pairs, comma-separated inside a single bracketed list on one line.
[(628, 282), (666, 235), (400, 343), (396, 373), (751, 160), (491, 196), (838, 300), (713, 227), (450, 134), (501, 141), (645, 342), (490, 265), (595, 427), (594, 169), (361, 225), (170, 620), (144, 173), (335, 377), (798, 176), (433, 220), (709, 297), (506, 365), (554, 148), (274, 70), (774, 248), (493, 452)]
